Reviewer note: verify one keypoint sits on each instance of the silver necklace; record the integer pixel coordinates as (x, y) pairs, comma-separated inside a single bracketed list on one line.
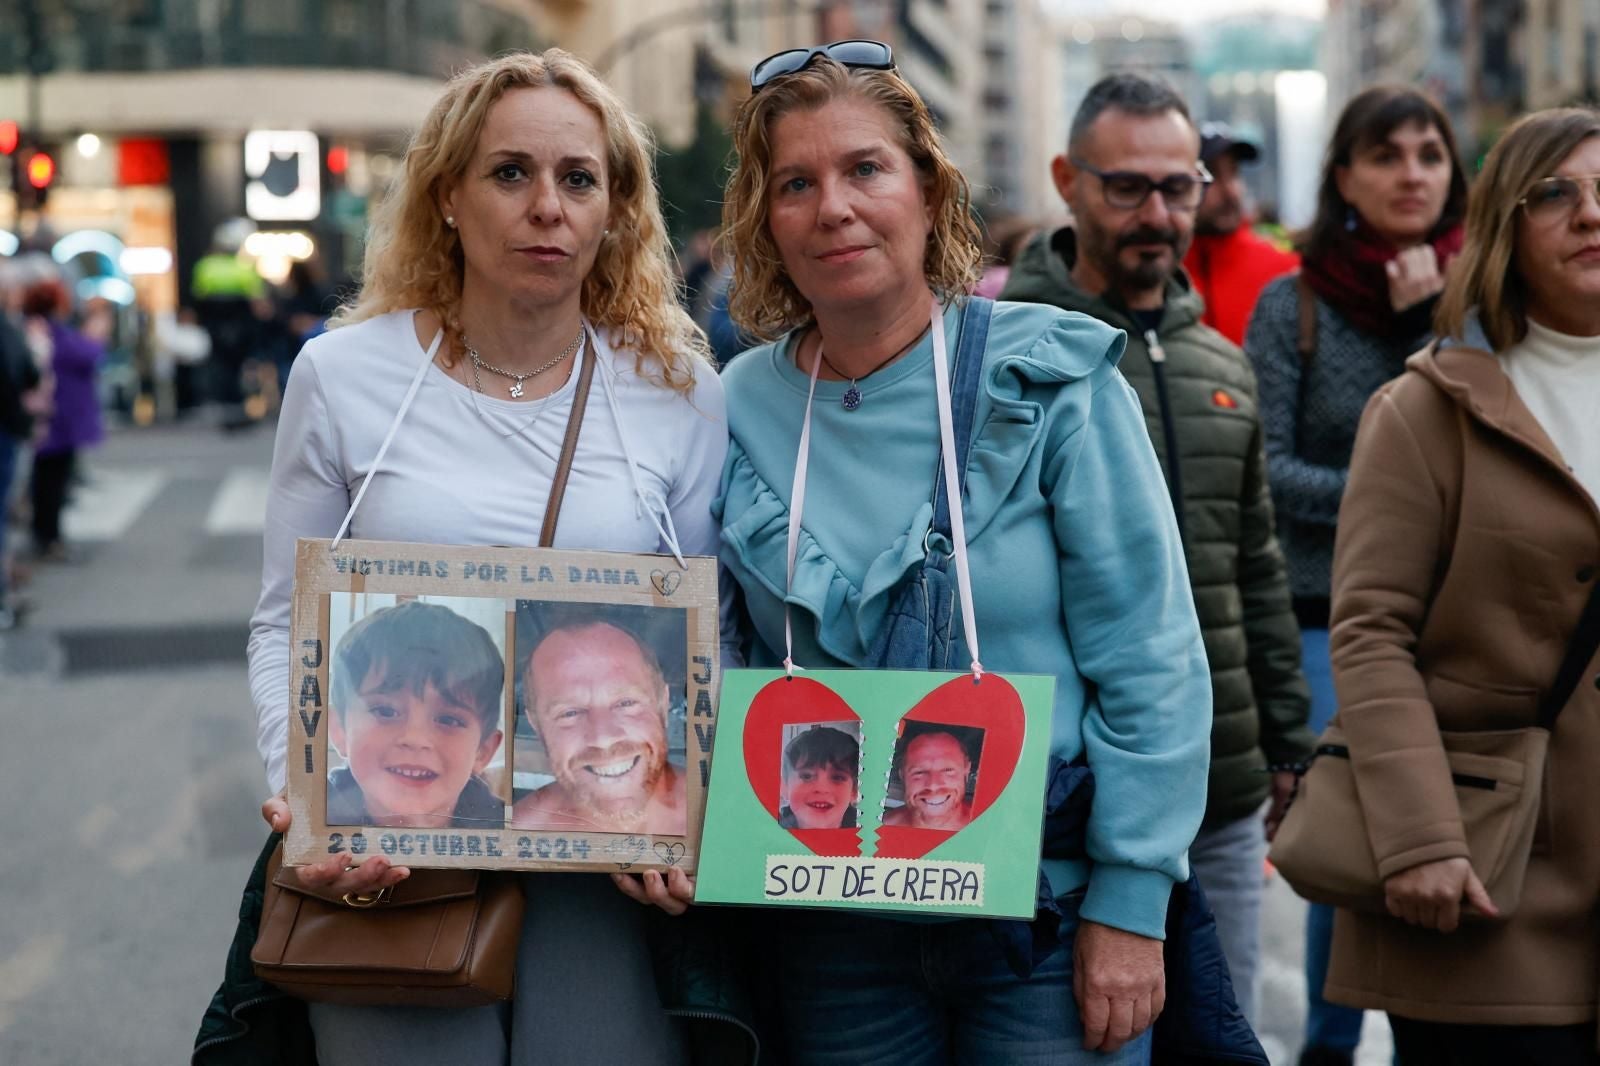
[(516, 388)]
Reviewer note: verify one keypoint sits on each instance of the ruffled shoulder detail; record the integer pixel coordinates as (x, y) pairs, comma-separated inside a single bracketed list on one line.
[(1035, 353), (755, 536)]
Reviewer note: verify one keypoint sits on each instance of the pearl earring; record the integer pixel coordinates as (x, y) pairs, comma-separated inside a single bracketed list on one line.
[(450, 220)]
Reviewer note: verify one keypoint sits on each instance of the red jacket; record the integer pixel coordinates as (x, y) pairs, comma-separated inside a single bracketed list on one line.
[(1230, 271)]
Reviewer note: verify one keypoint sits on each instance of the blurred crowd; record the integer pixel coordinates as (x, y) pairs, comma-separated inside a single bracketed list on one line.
[(70, 359)]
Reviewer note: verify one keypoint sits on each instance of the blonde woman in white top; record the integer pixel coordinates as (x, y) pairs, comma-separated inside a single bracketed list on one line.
[(523, 237)]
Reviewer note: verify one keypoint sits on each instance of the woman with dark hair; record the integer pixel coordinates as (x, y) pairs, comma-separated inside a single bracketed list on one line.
[(1388, 222), (1465, 614), (75, 423)]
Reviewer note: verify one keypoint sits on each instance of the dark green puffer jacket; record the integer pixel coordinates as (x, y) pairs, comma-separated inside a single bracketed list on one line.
[(1200, 407)]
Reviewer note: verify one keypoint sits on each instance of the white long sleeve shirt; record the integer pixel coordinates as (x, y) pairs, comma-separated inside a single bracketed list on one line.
[(469, 469), (1558, 377)]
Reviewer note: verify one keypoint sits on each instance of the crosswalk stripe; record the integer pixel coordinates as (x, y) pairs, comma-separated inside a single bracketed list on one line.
[(109, 502), (240, 505)]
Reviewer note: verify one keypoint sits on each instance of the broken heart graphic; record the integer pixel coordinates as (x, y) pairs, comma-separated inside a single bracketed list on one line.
[(990, 708), (792, 701)]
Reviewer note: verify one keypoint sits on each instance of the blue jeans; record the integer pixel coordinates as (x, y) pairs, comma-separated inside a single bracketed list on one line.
[(1327, 1024), (860, 990), (1229, 861)]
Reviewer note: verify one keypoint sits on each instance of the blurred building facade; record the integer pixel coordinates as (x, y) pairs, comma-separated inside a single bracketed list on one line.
[(170, 117), (1100, 46), (1024, 117), (1486, 61)]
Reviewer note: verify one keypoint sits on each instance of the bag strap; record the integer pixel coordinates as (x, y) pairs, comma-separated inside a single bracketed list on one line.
[(967, 373), (1580, 652), (1306, 343), (569, 447)]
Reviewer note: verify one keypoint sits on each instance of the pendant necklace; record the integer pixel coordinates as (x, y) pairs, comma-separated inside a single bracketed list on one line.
[(516, 388), (852, 396)]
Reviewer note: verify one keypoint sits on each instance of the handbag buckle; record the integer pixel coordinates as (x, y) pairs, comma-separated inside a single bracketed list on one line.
[(368, 899)]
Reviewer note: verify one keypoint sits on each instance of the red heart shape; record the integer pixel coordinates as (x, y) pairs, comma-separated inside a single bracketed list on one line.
[(792, 701), (989, 704)]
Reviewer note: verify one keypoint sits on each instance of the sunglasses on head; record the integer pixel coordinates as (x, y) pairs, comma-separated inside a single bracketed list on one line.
[(863, 54)]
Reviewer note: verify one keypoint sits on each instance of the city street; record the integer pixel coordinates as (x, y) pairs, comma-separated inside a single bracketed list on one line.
[(134, 816), (131, 779)]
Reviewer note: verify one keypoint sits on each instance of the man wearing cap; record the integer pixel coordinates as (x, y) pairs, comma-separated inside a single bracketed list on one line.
[(1229, 262), (1132, 175)]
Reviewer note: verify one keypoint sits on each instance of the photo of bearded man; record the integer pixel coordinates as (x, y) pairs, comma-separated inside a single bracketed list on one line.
[(598, 700)]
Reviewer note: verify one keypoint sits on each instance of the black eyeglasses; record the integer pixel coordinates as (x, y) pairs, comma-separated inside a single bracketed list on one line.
[(868, 55), (1557, 198), (1127, 190)]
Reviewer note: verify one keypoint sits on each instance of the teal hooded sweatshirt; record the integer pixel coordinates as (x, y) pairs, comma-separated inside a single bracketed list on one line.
[(1076, 564)]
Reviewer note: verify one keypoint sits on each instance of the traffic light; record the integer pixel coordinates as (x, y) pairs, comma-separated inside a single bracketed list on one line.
[(10, 136), (34, 172)]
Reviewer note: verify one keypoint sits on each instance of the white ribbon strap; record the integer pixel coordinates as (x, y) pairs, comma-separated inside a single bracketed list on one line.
[(383, 449), (645, 500), (952, 481), (797, 503), (952, 488)]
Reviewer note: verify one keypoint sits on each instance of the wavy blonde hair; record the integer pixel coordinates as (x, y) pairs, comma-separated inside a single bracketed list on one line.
[(414, 260), (1484, 277), (762, 298)]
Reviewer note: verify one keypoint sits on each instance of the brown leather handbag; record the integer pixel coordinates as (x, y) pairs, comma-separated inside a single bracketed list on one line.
[(440, 938), (1322, 848)]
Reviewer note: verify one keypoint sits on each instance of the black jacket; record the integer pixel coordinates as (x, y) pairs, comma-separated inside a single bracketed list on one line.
[(18, 375)]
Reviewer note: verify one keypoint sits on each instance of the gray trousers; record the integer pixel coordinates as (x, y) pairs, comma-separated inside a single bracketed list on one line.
[(1229, 860), (585, 993)]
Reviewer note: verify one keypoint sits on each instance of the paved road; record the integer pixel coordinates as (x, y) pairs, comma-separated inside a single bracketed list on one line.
[(130, 778)]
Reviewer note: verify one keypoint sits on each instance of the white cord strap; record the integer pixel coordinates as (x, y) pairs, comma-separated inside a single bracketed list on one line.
[(952, 487), (952, 480), (646, 500), (383, 449), (797, 503)]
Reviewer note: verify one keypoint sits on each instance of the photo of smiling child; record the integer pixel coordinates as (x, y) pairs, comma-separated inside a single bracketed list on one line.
[(821, 776), (601, 735), (934, 777), (417, 710)]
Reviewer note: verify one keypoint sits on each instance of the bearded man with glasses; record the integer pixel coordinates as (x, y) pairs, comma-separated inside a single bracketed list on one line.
[(1133, 179)]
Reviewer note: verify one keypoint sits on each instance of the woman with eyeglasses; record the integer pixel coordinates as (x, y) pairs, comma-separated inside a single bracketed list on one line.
[(1468, 549), (1373, 262), (854, 247)]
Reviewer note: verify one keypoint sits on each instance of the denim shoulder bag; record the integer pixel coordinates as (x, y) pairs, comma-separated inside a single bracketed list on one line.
[(917, 630)]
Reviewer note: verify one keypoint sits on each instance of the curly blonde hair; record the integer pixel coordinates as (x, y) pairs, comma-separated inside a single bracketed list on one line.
[(414, 260), (762, 298)]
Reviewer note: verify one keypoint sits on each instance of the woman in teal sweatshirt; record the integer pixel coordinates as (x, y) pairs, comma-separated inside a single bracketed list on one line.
[(848, 222)]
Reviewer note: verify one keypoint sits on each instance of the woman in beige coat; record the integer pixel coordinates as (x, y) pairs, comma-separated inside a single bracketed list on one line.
[(1468, 546)]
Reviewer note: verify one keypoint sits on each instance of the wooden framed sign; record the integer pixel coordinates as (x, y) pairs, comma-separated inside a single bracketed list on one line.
[(500, 708)]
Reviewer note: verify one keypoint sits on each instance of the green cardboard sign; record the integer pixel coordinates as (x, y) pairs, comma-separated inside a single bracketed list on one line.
[(884, 790)]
